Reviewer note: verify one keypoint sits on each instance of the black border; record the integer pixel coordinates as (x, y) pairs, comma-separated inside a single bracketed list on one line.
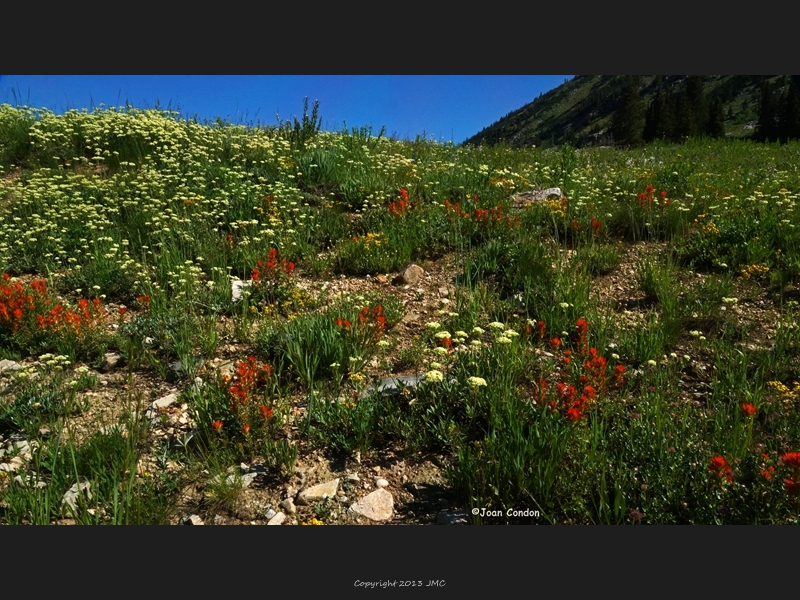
[(566, 560), (500, 38), (402, 39)]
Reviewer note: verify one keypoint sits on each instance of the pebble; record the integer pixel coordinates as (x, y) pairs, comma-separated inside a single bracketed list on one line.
[(454, 517), (278, 519), (377, 506), (71, 496), (318, 492)]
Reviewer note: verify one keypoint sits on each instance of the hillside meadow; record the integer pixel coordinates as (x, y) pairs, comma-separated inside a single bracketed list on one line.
[(202, 321)]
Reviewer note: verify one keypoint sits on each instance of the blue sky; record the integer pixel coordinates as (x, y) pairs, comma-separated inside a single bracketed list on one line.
[(445, 107)]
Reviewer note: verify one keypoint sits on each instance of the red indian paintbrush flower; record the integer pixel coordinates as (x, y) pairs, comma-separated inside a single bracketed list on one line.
[(749, 409), (792, 459), (720, 467)]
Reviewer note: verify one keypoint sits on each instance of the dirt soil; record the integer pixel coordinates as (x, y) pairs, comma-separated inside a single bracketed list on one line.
[(418, 484)]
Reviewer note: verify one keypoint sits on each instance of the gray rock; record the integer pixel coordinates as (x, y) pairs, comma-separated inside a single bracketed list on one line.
[(111, 360), (278, 519), (13, 465), (411, 275), (381, 482), (269, 514), (377, 506), (31, 478), (452, 517), (393, 385), (288, 506), (22, 447), (247, 479), (9, 365), (237, 288), (318, 492), (193, 520), (410, 317), (529, 197), (71, 497), (165, 401)]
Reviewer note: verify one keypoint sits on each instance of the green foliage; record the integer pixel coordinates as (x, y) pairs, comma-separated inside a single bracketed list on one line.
[(629, 118)]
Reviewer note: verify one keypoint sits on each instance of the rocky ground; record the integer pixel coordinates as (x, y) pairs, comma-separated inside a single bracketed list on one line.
[(379, 488)]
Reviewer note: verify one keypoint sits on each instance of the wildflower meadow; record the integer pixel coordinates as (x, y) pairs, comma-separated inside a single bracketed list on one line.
[(208, 321)]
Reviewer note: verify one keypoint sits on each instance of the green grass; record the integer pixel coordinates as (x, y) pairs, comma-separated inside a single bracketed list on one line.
[(535, 392)]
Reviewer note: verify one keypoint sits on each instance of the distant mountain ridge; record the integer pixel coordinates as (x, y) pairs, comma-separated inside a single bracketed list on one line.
[(579, 111)]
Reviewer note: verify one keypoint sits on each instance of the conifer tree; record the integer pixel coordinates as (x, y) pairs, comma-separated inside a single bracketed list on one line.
[(766, 127), (716, 120), (695, 96), (791, 111), (684, 119), (628, 122)]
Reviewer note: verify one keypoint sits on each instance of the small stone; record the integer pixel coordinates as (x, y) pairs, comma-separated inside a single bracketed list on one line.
[(381, 482), (453, 517), (111, 360), (9, 365), (71, 496), (411, 275), (248, 478), (377, 506), (237, 288), (318, 492), (165, 401), (381, 279), (288, 506), (352, 477), (278, 519), (31, 479), (409, 318), (525, 198), (193, 520), (269, 514), (23, 447)]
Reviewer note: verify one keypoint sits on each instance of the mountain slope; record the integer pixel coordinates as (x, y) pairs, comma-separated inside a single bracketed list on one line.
[(579, 111)]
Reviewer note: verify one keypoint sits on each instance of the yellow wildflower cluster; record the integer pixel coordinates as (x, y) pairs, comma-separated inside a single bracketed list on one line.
[(372, 240), (502, 182), (556, 207), (753, 270), (710, 228), (786, 395), (298, 299)]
